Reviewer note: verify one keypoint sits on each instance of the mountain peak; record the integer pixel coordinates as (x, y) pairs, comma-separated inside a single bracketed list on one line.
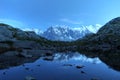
[(111, 27), (117, 20), (59, 27), (64, 33)]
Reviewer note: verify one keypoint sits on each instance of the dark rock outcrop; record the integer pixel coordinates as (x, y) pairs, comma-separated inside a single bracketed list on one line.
[(107, 38)]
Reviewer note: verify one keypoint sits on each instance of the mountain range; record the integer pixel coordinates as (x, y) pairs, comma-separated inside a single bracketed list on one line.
[(63, 33)]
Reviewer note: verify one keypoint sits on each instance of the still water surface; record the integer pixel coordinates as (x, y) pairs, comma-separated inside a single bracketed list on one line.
[(62, 66)]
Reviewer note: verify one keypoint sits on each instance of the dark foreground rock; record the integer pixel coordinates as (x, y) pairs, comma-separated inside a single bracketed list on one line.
[(110, 58), (14, 58)]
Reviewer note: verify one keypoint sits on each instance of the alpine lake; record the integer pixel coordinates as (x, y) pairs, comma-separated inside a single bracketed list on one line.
[(67, 66)]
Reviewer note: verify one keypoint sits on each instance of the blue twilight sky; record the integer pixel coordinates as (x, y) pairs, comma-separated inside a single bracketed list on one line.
[(42, 14)]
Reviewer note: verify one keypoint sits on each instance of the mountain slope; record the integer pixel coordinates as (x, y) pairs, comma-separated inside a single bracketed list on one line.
[(13, 39), (8, 32), (107, 38)]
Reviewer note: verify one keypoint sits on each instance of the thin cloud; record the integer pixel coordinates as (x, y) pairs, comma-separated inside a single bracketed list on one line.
[(70, 21)]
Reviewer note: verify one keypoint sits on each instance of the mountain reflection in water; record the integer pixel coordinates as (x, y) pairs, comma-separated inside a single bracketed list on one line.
[(75, 56), (67, 66)]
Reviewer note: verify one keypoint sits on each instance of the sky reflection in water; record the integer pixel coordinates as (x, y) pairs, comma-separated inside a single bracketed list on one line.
[(55, 69)]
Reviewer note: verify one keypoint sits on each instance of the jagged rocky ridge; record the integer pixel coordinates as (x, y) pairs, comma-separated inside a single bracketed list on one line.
[(64, 33), (18, 38)]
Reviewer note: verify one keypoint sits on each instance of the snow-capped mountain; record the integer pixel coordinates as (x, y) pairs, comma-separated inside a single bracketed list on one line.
[(94, 28), (91, 28), (63, 33)]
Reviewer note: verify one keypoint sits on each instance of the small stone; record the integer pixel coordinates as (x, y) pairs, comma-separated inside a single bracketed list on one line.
[(38, 65), (4, 73), (27, 68), (78, 67), (49, 54), (23, 65), (82, 72), (29, 78)]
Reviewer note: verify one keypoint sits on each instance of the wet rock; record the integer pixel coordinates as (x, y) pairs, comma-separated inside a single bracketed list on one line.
[(27, 69), (23, 65), (29, 78), (38, 65), (82, 72), (50, 58), (48, 53), (28, 56), (20, 55), (29, 45), (4, 73), (24, 54), (10, 53), (79, 66)]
